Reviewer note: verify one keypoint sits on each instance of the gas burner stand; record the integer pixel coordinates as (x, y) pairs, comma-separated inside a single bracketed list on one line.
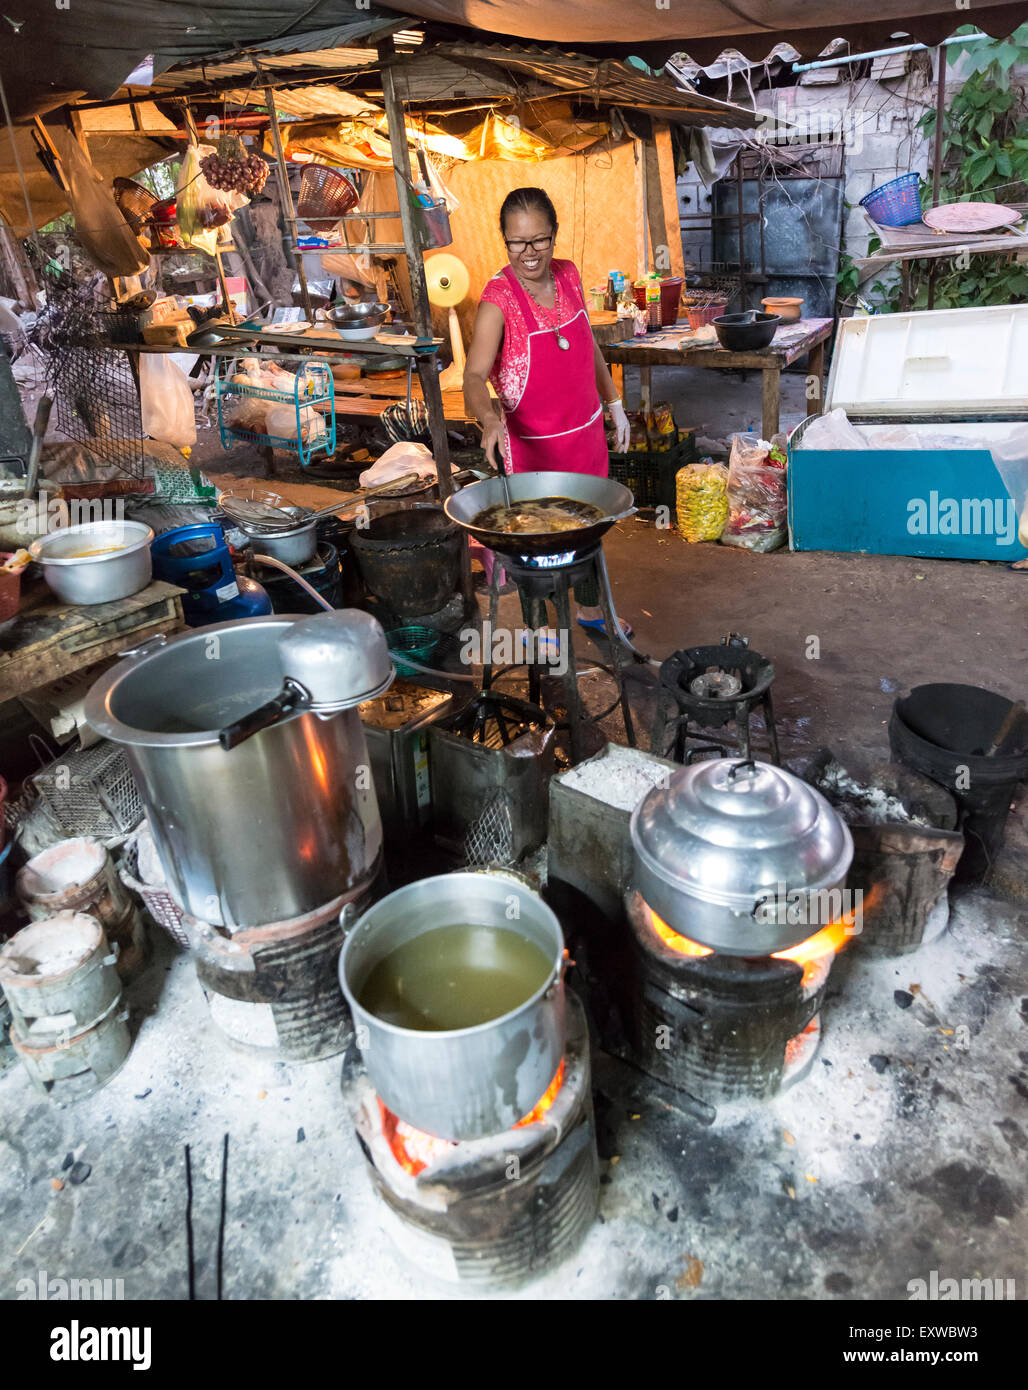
[(551, 578)]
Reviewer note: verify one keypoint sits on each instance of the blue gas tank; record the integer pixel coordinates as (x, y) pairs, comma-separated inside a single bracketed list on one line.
[(197, 559)]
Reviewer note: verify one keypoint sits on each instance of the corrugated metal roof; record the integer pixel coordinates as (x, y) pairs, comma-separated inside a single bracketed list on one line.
[(308, 103), (602, 81), (343, 46)]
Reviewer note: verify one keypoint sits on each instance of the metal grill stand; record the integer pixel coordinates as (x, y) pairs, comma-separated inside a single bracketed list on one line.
[(710, 687), (538, 583)]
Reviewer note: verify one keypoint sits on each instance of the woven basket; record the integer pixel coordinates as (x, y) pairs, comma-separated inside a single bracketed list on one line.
[(896, 203), (326, 194), (135, 201)]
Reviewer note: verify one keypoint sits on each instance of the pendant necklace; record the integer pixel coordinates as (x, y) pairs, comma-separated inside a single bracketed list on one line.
[(562, 342)]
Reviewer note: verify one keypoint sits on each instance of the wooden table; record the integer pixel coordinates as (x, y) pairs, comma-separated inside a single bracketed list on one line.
[(50, 640), (671, 348), (919, 242)]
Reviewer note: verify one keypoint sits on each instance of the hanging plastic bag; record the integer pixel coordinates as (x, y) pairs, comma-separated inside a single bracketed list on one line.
[(166, 402), (101, 228), (201, 209)]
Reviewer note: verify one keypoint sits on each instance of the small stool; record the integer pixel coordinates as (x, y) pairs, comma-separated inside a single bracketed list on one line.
[(488, 558)]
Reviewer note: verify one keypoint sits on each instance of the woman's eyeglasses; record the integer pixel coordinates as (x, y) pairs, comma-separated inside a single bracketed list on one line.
[(539, 243)]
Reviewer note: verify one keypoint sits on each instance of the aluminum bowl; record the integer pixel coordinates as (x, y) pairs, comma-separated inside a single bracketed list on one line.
[(102, 577), (365, 314)]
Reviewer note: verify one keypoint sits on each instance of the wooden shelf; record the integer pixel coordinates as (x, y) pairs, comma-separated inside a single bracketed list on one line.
[(322, 343)]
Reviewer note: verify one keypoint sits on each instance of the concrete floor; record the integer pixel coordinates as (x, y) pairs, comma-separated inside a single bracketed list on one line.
[(901, 1153)]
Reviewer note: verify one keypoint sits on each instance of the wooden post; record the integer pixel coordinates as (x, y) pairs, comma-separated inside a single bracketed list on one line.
[(427, 372), (940, 113), (669, 196), (641, 213), (293, 257)]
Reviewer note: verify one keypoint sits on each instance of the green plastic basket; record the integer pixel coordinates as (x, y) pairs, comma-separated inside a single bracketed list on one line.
[(419, 643)]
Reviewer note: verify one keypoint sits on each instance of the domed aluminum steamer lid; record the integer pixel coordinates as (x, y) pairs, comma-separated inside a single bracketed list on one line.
[(341, 658), (725, 832)]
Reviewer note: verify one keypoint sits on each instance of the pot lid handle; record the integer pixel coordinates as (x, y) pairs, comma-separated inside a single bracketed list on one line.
[(736, 768)]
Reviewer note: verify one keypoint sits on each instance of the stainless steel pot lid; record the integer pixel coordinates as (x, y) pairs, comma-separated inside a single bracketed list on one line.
[(724, 830), (342, 658)]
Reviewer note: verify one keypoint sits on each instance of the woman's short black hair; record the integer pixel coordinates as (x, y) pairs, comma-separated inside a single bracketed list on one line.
[(527, 200)]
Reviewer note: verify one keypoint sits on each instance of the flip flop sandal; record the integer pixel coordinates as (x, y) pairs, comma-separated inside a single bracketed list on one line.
[(598, 625)]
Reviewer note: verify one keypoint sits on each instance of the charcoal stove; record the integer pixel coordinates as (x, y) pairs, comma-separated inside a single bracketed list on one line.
[(708, 688), (736, 911), (719, 1027), (490, 1213), (551, 578)]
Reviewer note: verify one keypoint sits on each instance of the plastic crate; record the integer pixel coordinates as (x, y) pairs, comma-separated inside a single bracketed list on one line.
[(650, 476), (896, 203)]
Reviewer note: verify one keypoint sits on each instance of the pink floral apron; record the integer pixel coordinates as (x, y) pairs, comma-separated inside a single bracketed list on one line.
[(553, 417)]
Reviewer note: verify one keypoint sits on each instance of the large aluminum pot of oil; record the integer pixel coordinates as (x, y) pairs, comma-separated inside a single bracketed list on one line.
[(456, 988), (269, 830)]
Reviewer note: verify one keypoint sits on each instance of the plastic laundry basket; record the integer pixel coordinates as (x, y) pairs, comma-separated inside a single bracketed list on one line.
[(896, 203)]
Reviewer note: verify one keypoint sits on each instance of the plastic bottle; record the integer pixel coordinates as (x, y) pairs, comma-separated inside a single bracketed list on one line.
[(653, 299)]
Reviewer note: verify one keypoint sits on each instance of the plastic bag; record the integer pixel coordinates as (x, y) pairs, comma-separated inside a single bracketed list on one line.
[(165, 400), (406, 456), (99, 224), (1010, 456), (281, 423), (833, 431), (757, 498), (701, 495), (201, 209)]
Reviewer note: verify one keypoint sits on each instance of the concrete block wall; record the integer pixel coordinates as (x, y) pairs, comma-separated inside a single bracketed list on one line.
[(878, 123)]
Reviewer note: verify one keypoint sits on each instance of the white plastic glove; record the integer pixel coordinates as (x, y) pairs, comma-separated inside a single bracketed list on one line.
[(624, 431)]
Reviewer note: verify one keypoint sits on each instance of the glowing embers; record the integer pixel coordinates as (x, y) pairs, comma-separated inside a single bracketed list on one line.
[(490, 1213), (414, 1150), (718, 1027), (814, 954)]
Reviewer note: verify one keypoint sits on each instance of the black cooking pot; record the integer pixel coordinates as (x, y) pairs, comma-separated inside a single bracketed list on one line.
[(746, 332)]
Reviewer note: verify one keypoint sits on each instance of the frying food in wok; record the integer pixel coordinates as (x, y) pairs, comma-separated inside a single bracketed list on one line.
[(541, 515)]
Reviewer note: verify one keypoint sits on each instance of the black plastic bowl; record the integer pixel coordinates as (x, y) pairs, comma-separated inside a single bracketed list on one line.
[(748, 332)]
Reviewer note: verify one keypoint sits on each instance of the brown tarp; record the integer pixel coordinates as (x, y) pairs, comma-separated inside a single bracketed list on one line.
[(704, 28)]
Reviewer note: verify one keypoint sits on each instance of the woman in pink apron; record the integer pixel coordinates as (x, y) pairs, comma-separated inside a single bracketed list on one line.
[(532, 340)]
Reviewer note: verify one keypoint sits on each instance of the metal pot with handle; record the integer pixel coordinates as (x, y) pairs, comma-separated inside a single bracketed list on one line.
[(740, 856), (461, 1083), (282, 820)]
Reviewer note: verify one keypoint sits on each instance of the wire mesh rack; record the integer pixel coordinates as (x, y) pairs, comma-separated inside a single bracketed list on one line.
[(90, 791), (96, 401)]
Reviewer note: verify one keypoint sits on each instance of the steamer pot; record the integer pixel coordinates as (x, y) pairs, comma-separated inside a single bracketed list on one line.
[(462, 1083)]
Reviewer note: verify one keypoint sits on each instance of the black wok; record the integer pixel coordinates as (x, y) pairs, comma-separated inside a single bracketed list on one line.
[(614, 498)]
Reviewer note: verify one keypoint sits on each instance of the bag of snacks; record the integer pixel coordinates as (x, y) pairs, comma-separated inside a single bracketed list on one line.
[(757, 495), (662, 428), (639, 441), (701, 496)]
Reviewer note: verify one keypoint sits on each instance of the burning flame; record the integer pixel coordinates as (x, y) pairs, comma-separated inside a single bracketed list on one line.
[(414, 1150), (810, 954)]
